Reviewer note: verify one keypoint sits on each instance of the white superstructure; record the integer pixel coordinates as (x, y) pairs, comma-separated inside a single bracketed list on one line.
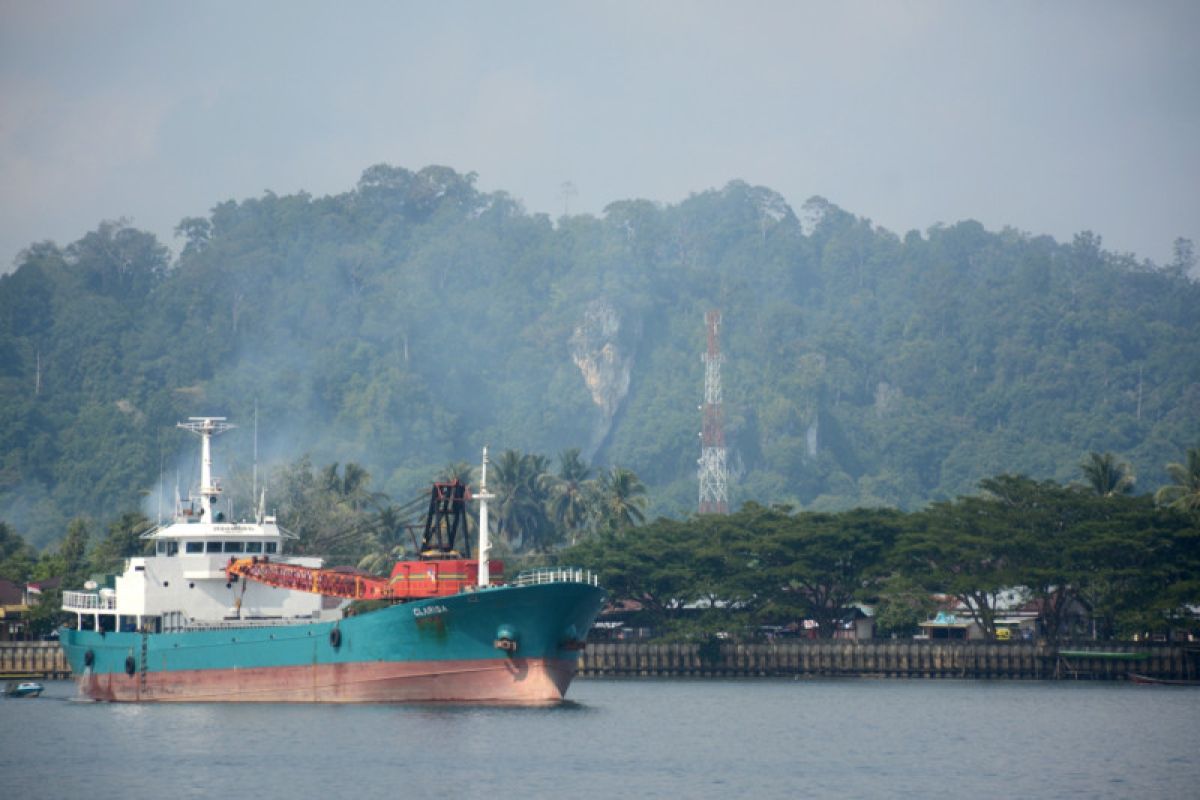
[(184, 583)]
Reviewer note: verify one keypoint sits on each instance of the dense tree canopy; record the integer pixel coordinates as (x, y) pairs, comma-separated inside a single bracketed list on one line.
[(409, 321), (1133, 566)]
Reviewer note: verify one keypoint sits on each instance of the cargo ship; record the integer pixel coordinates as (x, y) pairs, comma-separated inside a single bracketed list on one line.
[(222, 612)]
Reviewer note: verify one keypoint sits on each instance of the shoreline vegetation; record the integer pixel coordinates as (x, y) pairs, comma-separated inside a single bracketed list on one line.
[(1088, 560), (1069, 562)]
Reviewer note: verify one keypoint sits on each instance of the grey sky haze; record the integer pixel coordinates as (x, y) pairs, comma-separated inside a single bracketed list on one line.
[(1047, 117)]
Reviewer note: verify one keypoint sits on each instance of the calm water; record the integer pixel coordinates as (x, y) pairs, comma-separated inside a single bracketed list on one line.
[(628, 739)]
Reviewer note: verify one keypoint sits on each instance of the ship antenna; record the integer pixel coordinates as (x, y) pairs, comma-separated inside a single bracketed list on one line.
[(484, 543), (206, 428)]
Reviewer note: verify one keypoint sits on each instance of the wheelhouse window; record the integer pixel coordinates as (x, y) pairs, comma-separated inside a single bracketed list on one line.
[(269, 547), (212, 547), (233, 547), (253, 547), (194, 547)]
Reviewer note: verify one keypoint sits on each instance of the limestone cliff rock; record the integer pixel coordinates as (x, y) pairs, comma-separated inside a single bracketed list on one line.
[(604, 361)]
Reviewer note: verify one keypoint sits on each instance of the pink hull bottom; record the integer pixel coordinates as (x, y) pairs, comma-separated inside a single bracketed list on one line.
[(523, 681)]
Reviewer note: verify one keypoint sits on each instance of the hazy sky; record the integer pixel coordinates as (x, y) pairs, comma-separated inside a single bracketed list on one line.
[(1051, 117)]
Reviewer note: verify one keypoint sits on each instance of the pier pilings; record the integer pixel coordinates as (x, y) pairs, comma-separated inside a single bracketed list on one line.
[(32, 660), (893, 659)]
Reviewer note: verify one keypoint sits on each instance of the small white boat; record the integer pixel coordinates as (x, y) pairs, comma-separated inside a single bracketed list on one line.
[(23, 689)]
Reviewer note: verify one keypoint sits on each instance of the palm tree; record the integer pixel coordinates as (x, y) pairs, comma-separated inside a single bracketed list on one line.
[(351, 486), (380, 562), (521, 515), (622, 499), (1106, 476), (459, 471), (571, 494), (386, 541), (1184, 494)]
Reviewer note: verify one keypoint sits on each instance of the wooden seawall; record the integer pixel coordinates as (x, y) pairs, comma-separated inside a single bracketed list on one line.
[(32, 660), (893, 659), (878, 659)]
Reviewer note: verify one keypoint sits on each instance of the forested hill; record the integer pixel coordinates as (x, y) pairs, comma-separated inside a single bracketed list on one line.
[(407, 322)]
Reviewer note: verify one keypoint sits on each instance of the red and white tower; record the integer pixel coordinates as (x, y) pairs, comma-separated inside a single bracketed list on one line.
[(714, 497)]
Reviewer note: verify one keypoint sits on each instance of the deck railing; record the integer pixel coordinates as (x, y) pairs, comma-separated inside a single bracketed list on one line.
[(89, 601), (556, 575)]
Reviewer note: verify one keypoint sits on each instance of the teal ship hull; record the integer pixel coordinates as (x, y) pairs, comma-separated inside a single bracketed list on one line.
[(506, 644)]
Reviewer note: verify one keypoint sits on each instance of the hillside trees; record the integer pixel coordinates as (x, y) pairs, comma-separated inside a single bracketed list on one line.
[(403, 323), (122, 540), (16, 557)]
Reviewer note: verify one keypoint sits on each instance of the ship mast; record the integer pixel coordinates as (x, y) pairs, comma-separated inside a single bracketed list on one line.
[(206, 428), (484, 540)]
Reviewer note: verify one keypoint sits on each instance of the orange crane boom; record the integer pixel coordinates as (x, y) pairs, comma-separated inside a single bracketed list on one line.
[(440, 571), (410, 580)]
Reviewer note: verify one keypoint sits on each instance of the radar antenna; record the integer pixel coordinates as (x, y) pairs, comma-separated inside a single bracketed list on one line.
[(210, 488)]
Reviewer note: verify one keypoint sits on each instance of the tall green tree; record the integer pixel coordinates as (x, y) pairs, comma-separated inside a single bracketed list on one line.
[(122, 540), (330, 517), (1137, 567), (1106, 476), (902, 606), (572, 494), (521, 491), (622, 499), (72, 556), (387, 540), (654, 566), (818, 564), (1184, 493), (963, 548), (351, 486), (1046, 526)]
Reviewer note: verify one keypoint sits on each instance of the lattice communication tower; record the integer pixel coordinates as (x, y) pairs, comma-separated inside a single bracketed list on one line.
[(714, 498)]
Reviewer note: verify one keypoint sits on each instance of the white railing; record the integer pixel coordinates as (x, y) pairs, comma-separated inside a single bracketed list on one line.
[(89, 601), (231, 624), (556, 575)]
